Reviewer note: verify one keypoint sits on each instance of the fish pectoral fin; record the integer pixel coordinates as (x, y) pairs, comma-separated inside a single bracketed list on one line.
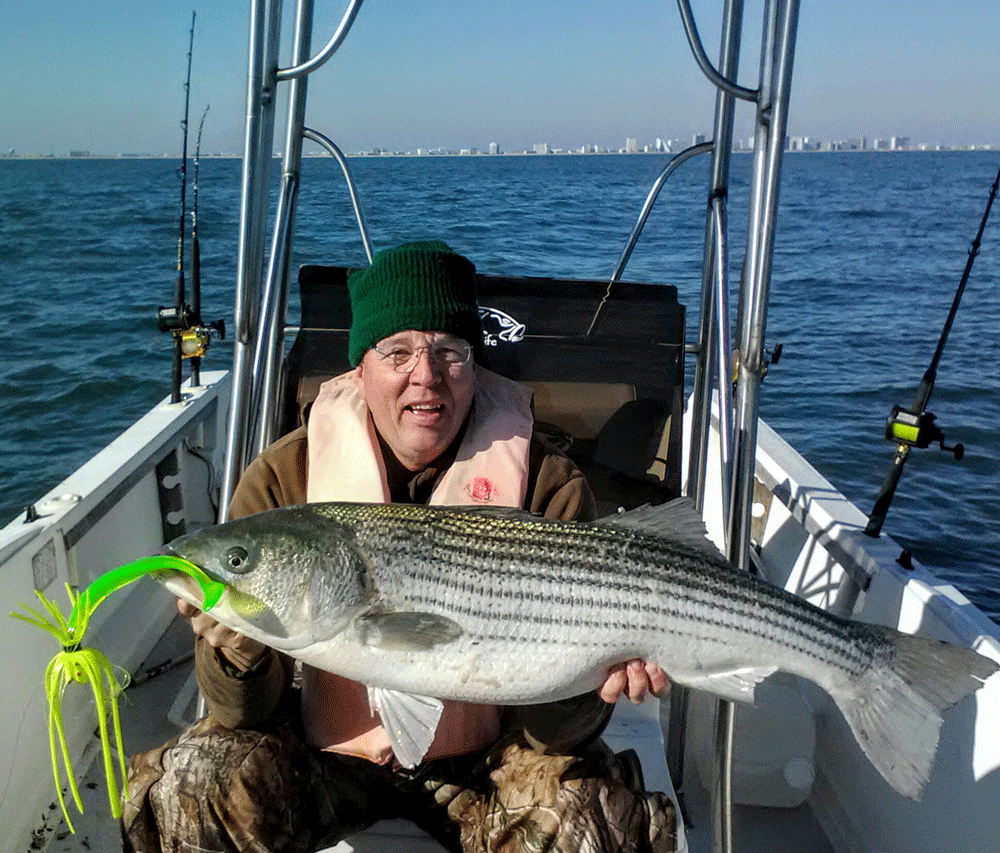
[(736, 685), (409, 720), (407, 632)]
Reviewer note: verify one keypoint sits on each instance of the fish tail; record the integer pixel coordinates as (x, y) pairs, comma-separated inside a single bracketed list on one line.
[(895, 707)]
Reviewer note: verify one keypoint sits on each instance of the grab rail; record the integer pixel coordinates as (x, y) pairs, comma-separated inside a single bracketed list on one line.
[(254, 182), (267, 360), (352, 189), (262, 293), (723, 353), (697, 48), (651, 196), (714, 343), (777, 60), (329, 50)]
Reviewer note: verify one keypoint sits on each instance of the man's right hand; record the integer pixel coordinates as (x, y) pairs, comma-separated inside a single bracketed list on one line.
[(241, 651)]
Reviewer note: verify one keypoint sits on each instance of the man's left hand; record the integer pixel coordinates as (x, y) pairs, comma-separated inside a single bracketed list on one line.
[(635, 679)]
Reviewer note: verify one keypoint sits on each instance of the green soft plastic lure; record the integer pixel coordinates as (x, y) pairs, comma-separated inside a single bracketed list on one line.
[(83, 665)]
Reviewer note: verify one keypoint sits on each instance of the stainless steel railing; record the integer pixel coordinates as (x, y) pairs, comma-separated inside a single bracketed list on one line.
[(262, 293)]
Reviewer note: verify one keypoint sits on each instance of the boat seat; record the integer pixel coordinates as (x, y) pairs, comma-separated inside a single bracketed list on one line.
[(612, 400)]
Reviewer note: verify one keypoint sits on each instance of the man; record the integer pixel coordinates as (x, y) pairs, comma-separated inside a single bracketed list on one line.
[(278, 768)]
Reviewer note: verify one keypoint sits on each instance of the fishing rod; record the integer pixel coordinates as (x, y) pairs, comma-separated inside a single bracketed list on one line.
[(196, 251), (179, 303), (183, 320), (915, 426)]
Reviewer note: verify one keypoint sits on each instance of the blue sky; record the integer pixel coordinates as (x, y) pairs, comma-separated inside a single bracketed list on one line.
[(108, 76)]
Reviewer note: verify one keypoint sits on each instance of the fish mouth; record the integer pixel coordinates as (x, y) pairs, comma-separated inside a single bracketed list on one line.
[(179, 583), (240, 611), (169, 551), (184, 587)]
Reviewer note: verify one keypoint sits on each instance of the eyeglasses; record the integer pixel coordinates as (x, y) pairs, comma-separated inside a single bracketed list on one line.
[(449, 353)]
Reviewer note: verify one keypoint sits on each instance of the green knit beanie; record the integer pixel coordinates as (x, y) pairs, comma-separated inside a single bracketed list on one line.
[(424, 286)]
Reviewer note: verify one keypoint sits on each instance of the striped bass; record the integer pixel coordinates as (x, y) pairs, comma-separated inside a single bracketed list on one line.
[(498, 606)]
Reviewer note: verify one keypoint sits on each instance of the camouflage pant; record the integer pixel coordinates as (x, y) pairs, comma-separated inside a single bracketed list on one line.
[(214, 789)]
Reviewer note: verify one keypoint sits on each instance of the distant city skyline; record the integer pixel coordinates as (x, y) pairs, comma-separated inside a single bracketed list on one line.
[(632, 145), (108, 78), (673, 145)]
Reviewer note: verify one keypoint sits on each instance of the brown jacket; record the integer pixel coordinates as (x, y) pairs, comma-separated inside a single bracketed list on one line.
[(556, 489)]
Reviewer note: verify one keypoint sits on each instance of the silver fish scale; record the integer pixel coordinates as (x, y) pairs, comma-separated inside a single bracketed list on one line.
[(525, 581)]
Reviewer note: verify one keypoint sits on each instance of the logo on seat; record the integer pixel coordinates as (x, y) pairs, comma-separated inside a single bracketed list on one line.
[(499, 326)]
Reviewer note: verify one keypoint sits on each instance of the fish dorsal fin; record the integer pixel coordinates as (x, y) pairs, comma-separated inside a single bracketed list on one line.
[(677, 520), (409, 720), (406, 631)]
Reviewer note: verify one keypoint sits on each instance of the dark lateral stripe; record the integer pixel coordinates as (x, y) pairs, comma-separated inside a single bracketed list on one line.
[(636, 579), (616, 605), (595, 627)]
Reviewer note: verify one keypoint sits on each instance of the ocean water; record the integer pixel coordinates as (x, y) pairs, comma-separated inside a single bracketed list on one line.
[(869, 250)]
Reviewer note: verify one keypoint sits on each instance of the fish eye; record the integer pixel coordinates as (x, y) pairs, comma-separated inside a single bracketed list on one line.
[(237, 559)]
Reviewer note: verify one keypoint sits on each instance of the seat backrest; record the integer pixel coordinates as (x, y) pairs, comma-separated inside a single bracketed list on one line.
[(613, 399)]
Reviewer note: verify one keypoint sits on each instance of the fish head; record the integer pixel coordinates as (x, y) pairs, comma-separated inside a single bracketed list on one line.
[(292, 576)]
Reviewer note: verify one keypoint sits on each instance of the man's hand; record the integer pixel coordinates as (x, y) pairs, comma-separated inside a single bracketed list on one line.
[(635, 679), (241, 651)]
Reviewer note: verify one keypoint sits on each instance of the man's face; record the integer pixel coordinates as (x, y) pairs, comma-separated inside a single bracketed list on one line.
[(418, 414)]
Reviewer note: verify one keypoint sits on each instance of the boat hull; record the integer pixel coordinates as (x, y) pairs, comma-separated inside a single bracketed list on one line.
[(794, 752), (111, 511), (811, 542)]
